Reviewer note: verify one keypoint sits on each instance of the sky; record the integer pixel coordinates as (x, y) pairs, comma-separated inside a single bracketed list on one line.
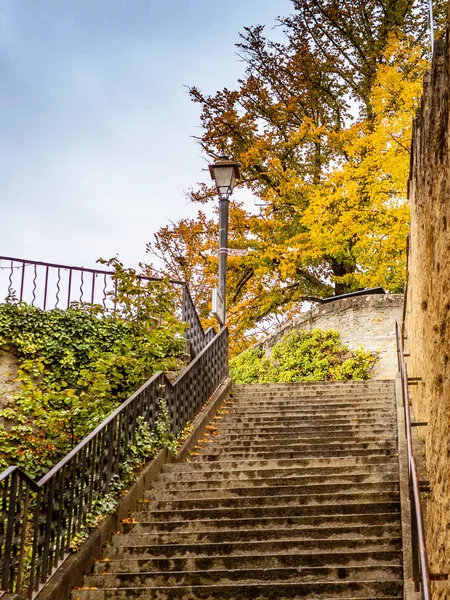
[(96, 125)]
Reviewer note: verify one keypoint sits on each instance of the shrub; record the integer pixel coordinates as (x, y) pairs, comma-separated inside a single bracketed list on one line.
[(303, 356)]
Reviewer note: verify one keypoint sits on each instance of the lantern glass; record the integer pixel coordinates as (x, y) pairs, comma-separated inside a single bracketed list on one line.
[(225, 173), (225, 178)]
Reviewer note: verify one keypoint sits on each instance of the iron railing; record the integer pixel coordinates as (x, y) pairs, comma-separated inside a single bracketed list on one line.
[(421, 573), (42, 518), (51, 285)]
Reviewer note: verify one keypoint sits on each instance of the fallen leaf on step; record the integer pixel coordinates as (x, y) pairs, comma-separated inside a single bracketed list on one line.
[(88, 588)]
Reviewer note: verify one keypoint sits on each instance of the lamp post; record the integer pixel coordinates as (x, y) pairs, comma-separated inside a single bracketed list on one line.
[(225, 173)]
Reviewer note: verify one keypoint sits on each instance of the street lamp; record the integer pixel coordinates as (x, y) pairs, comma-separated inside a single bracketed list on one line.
[(224, 172)]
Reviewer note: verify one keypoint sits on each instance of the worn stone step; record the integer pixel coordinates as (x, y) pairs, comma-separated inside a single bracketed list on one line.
[(294, 559), (287, 423), (354, 398), (307, 412), (267, 546), (246, 470), (301, 426), (320, 419), (217, 444), (137, 537), (354, 395), (326, 402), (302, 498), (276, 510), (275, 490), (320, 383), (265, 522), (325, 590), (209, 455), (311, 392), (167, 486), (296, 442), (253, 576), (243, 427), (346, 433), (255, 464), (318, 402), (326, 388)]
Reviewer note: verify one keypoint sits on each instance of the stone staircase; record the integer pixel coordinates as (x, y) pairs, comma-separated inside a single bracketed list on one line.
[(293, 494)]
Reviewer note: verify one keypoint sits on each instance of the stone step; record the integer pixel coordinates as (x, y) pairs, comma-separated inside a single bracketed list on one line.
[(275, 490), (338, 433), (276, 510), (354, 590), (300, 428), (263, 546), (314, 402), (328, 400), (167, 486), (385, 449), (255, 464), (302, 498), (311, 404), (265, 469), (283, 420), (264, 522), (294, 559), (307, 411), (137, 537), (324, 384), (348, 394), (311, 392), (248, 576), (313, 387), (299, 425), (297, 442)]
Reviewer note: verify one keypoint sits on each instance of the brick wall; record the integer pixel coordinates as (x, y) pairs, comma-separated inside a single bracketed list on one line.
[(367, 321)]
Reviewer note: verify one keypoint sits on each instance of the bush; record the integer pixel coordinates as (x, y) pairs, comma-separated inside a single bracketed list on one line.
[(303, 356)]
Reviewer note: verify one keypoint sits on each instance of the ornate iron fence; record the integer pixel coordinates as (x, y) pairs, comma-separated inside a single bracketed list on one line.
[(50, 285), (44, 517)]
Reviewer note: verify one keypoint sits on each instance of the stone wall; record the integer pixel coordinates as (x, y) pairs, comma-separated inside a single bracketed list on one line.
[(427, 304), (367, 321), (8, 384)]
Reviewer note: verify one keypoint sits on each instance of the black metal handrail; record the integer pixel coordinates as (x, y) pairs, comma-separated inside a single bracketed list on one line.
[(53, 285), (45, 516), (421, 573)]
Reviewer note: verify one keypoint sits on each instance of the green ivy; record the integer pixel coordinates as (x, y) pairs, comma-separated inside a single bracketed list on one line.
[(77, 365), (146, 445), (303, 356)]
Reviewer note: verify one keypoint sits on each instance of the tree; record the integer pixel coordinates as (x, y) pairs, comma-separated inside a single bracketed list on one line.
[(320, 126)]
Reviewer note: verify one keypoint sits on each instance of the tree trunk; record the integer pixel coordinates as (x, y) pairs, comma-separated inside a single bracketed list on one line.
[(340, 269)]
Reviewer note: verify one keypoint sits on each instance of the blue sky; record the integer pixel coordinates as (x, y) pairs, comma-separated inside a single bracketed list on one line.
[(96, 150)]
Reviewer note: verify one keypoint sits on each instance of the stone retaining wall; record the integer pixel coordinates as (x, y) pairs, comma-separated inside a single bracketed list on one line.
[(427, 314), (367, 321)]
